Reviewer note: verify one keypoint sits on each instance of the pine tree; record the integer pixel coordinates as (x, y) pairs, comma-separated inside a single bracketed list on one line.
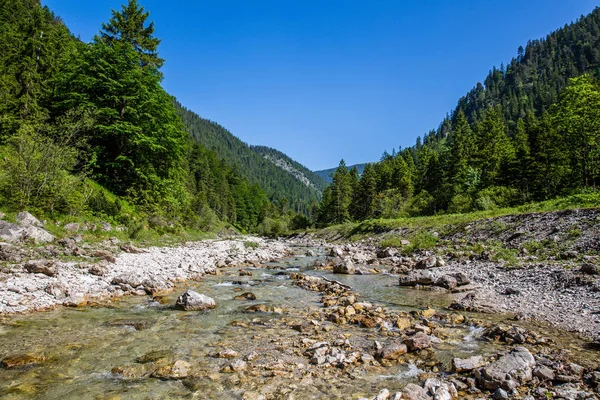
[(364, 196), (129, 26), (462, 153)]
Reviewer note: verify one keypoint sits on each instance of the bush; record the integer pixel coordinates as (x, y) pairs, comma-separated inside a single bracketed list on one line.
[(273, 227), (35, 173), (299, 221), (461, 203), (421, 204), (496, 197)]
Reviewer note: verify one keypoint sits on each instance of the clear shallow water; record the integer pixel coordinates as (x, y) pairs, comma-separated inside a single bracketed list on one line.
[(82, 346)]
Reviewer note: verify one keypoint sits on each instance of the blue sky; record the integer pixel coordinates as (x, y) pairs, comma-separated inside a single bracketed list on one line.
[(326, 80)]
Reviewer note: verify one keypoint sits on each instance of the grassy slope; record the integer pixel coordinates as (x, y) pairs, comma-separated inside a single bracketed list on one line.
[(360, 230)]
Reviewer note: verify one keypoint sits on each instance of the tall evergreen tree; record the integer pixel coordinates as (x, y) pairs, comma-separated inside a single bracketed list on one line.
[(130, 26)]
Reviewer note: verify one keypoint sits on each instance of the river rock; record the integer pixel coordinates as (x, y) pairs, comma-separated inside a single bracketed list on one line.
[(157, 287), (590, 269), (426, 263), (178, 370), (414, 392), (418, 341), (46, 267), (392, 351), (518, 365), (417, 278), (194, 301), (21, 360), (245, 296), (14, 233), (345, 267), (467, 364), (446, 281), (544, 373), (130, 279)]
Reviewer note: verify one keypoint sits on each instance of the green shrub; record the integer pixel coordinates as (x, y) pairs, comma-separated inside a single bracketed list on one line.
[(460, 203), (273, 227), (35, 173), (495, 197), (421, 204), (250, 244)]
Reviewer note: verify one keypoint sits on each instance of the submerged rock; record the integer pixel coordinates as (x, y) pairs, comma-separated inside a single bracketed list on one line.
[(194, 301), (178, 370), (22, 360), (245, 296)]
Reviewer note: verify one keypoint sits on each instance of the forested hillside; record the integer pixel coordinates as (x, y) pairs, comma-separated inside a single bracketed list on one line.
[(326, 174), (87, 130), (530, 131), (301, 173), (276, 181)]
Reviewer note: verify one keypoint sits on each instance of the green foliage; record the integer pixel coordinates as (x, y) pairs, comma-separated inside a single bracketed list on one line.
[(34, 173), (529, 133), (273, 227), (129, 26), (422, 240), (86, 128), (250, 163), (250, 244)]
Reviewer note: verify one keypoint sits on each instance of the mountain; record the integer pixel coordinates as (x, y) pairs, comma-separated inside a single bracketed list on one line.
[(325, 174), (529, 132), (280, 176), (299, 171)]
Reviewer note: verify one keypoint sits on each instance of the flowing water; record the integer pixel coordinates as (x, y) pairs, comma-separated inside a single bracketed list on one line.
[(80, 348)]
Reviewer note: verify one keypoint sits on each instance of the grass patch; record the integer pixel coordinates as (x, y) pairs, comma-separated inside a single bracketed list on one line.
[(250, 245), (422, 240)]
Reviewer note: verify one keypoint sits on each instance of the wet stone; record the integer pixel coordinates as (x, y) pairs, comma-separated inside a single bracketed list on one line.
[(22, 360), (178, 370), (154, 356)]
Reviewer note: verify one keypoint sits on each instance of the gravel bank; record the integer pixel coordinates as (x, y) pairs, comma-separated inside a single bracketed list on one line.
[(43, 284)]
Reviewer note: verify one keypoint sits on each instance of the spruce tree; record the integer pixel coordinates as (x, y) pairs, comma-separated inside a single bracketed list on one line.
[(129, 26)]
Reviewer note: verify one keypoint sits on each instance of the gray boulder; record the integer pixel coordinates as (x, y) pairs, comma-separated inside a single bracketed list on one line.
[(26, 219), (14, 233), (467, 364), (194, 301), (414, 392), (518, 365), (345, 267), (417, 278)]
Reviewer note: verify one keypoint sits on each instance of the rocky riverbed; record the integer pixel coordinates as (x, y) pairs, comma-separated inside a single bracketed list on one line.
[(249, 318), (35, 278)]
